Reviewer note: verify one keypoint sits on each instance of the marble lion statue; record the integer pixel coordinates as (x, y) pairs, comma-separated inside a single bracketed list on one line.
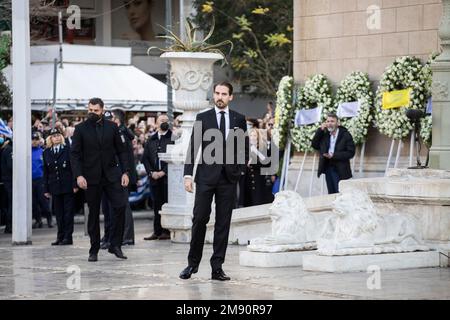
[(293, 227), (359, 229)]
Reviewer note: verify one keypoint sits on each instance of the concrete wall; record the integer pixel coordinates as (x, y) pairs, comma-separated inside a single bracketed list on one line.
[(333, 37)]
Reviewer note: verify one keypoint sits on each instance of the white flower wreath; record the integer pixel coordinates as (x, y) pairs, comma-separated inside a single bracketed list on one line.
[(426, 123), (356, 87), (315, 93), (404, 73), (283, 112)]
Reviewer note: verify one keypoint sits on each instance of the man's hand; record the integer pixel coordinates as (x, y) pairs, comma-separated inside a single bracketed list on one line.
[(155, 175), (47, 195), (323, 126), (328, 155), (188, 185), (82, 183), (75, 190), (125, 180), (161, 174)]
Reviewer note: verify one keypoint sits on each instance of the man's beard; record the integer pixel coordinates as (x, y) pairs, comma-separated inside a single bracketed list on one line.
[(220, 104)]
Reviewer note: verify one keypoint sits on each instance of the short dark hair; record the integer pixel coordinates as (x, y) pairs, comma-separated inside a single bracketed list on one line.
[(97, 101), (332, 115), (225, 84), (119, 114)]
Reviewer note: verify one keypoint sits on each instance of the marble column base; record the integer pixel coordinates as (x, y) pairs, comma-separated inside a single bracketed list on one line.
[(273, 259), (361, 263)]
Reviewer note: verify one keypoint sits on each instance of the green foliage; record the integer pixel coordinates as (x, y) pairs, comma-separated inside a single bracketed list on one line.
[(262, 33), (5, 49), (192, 43), (5, 93)]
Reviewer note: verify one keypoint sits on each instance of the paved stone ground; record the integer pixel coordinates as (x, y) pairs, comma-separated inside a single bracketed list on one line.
[(151, 272)]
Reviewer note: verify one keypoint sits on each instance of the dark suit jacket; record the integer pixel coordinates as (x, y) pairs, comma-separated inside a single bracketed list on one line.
[(128, 136), (7, 163), (58, 177), (150, 157), (92, 158), (343, 152), (210, 173)]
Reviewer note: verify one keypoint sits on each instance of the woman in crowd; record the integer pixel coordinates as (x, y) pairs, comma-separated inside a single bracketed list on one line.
[(60, 185)]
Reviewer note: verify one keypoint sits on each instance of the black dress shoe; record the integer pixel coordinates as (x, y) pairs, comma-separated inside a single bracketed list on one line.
[(7, 230), (104, 245), (66, 242), (56, 243), (128, 243), (164, 236), (117, 252), (187, 272), (152, 237), (93, 257), (220, 275)]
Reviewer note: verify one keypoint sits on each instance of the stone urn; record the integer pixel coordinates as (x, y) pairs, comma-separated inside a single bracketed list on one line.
[(191, 77)]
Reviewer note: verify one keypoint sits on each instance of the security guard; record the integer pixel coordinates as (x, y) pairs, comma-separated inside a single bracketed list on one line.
[(60, 185)]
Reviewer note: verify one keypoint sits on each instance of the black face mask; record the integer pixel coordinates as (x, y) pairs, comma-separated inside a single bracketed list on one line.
[(164, 126), (93, 117)]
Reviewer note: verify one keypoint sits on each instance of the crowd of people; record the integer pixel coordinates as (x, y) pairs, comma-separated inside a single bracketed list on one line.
[(55, 192)]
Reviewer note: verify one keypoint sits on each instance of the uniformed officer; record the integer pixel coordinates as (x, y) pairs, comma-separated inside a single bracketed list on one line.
[(60, 185)]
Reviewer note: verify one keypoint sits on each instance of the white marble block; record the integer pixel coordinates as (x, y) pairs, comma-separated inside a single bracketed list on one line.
[(273, 259), (361, 263)]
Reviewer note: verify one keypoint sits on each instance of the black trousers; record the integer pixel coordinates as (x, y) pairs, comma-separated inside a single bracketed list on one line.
[(160, 197), (117, 197), (8, 188), (40, 203), (128, 233), (332, 178), (225, 197), (63, 208)]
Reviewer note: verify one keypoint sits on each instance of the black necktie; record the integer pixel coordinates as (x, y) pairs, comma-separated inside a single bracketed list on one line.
[(99, 129), (222, 129)]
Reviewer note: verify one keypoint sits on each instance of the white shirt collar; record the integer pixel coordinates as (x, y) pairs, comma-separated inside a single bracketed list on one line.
[(218, 111)]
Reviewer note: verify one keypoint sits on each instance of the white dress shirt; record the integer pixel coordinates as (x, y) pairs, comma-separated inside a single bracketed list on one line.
[(227, 119), (333, 139), (56, 149)]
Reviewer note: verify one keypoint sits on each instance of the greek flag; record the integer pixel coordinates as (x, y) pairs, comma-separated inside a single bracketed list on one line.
[(143, 190), (5, 130)]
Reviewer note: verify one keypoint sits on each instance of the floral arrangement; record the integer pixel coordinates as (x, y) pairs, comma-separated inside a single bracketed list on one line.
[(315, 93), (426, 123), (404, 73), (283, 112), (356, 87)]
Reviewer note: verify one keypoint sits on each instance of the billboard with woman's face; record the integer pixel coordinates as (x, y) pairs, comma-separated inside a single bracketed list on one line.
[(137, 23)]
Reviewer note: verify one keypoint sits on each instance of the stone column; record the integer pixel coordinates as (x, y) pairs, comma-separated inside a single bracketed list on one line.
[(440, 150), (191, 79), (21, 227)]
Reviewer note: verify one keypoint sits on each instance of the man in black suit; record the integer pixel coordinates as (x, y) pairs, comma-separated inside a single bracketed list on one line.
[(215, 177), (336, 148), (157, 172), (100, 164)]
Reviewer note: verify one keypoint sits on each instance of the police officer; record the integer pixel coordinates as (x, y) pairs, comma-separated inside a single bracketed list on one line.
[(60, 185)]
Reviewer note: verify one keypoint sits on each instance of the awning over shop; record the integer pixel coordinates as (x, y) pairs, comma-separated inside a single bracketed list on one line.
[(87, 72)]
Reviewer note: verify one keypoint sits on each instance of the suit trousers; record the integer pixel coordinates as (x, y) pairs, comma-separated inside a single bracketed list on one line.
[(40, 204), (128, 233), (225, 197), (160, 196), (63, 208), (117, 197)]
